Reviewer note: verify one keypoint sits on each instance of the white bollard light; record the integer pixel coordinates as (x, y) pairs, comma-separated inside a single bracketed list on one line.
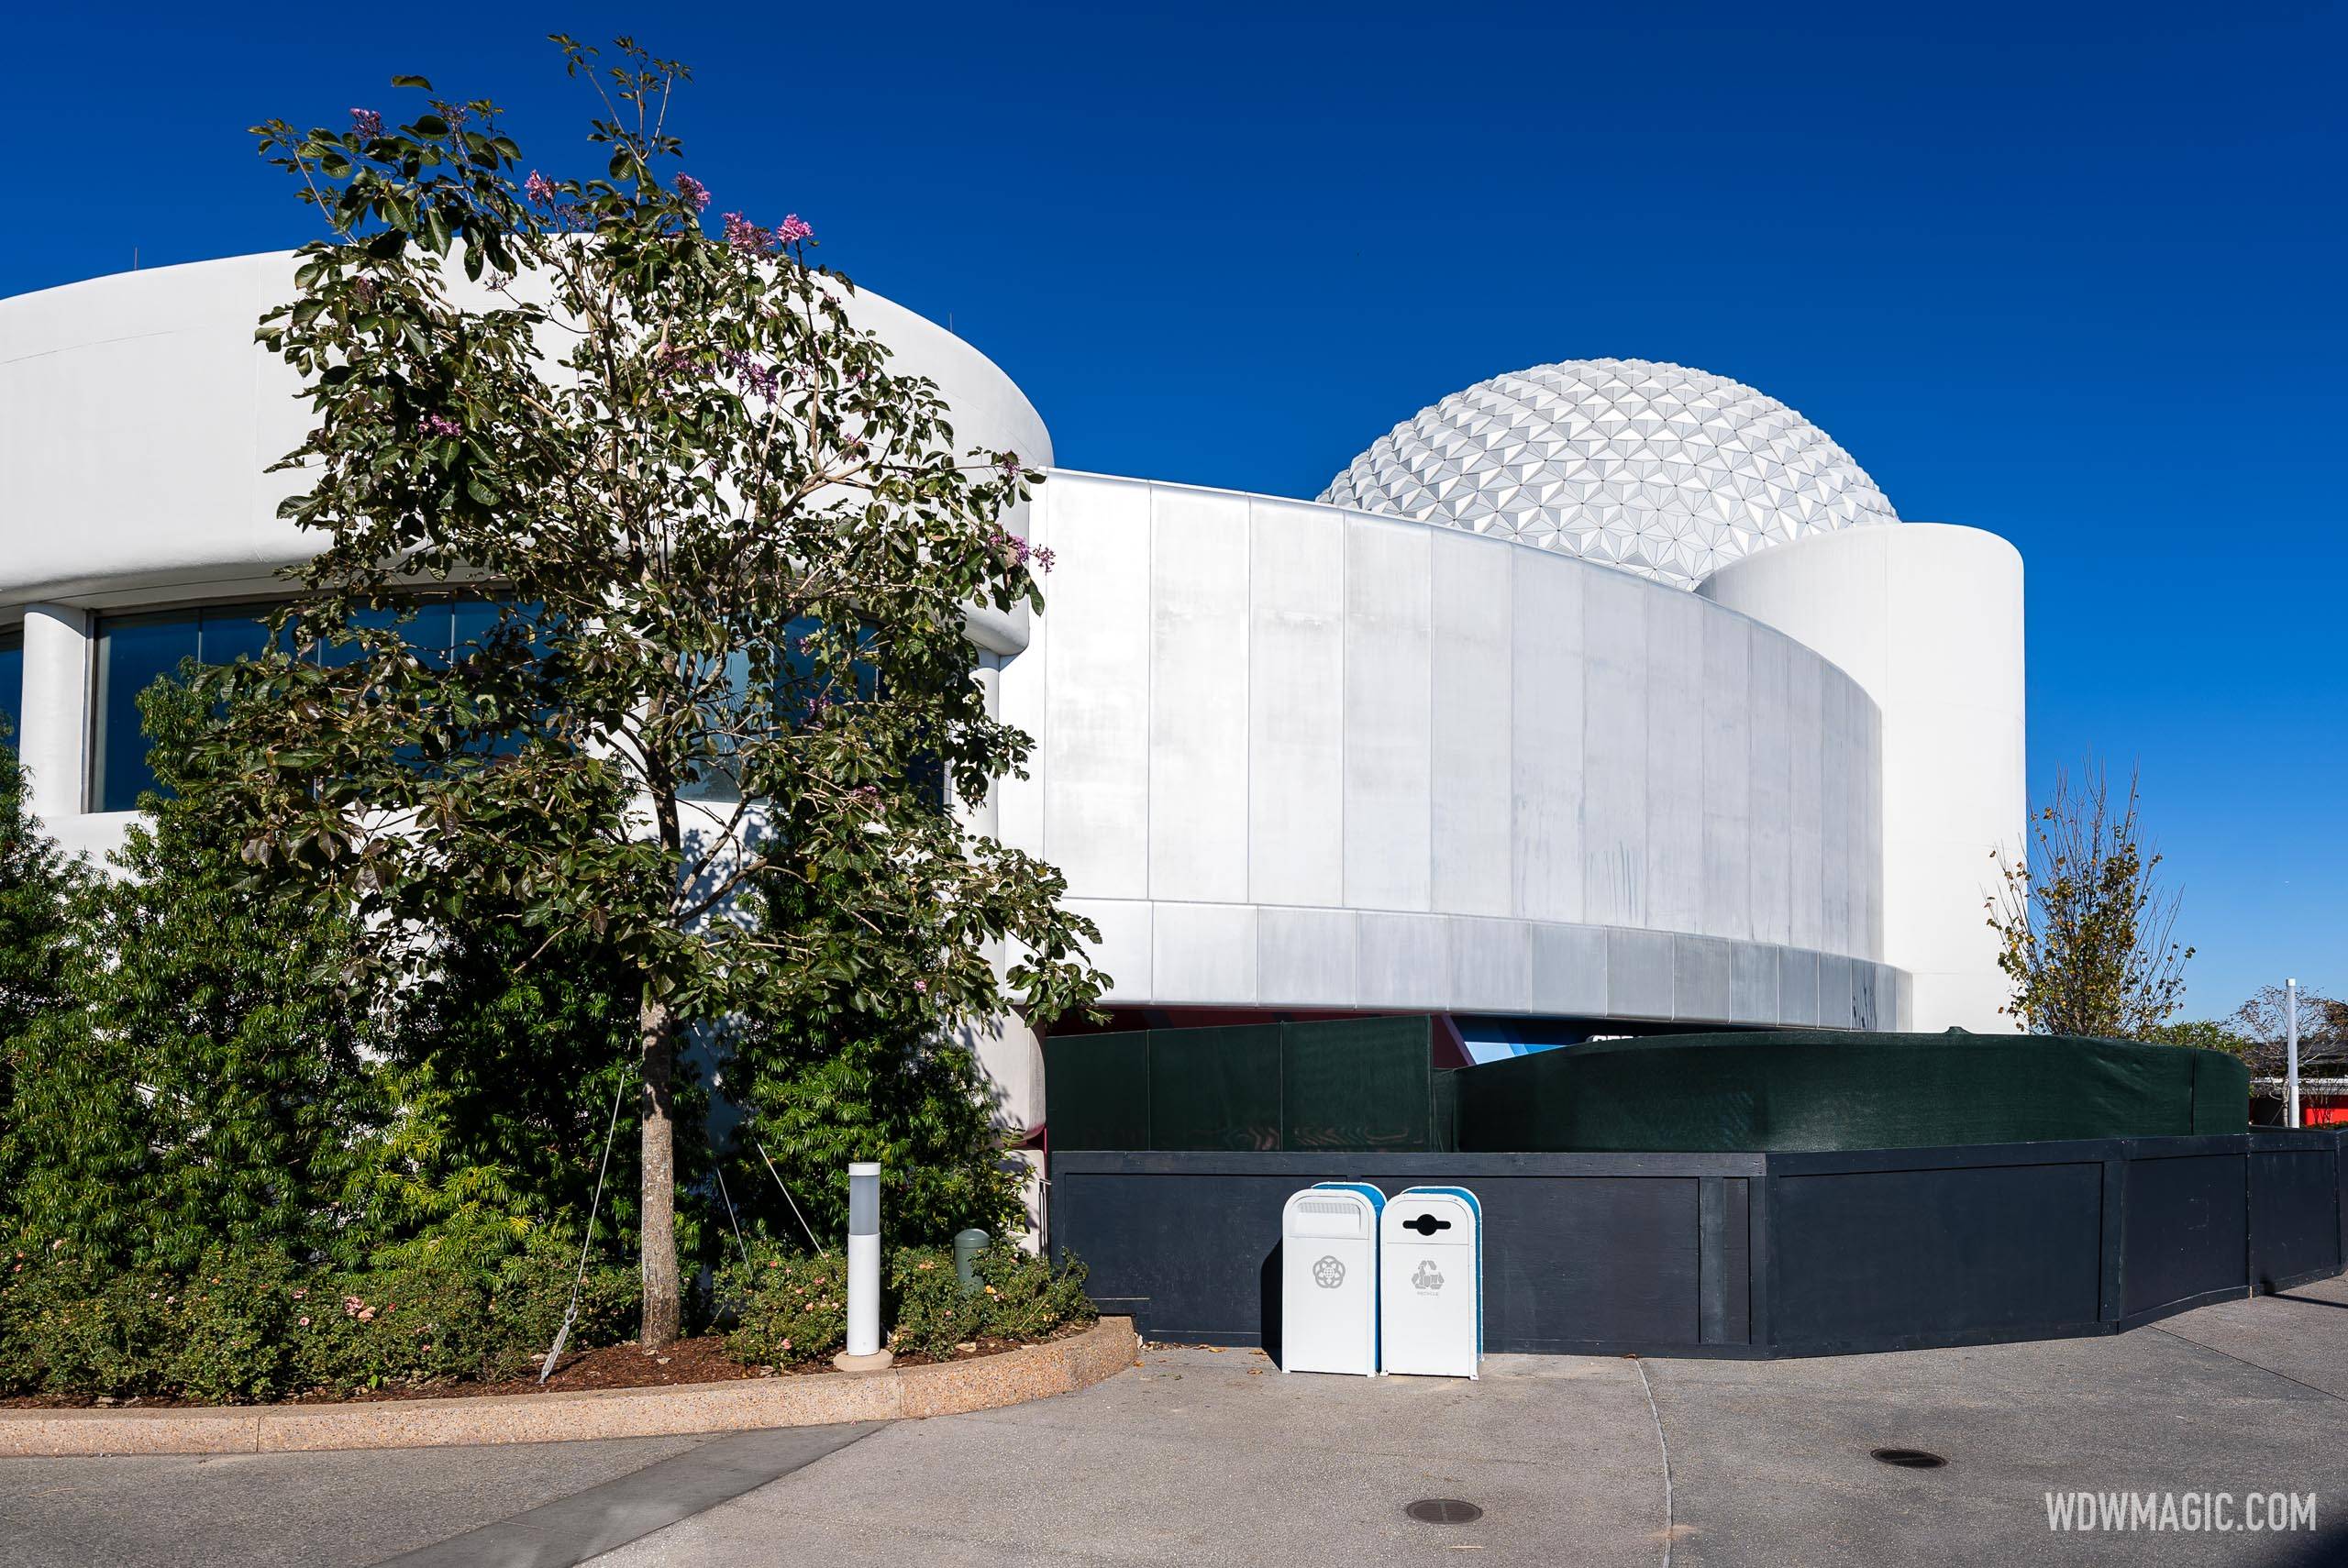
[(2291, 1046), (864, 1352)]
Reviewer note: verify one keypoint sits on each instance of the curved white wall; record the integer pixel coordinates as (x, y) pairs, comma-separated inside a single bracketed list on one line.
[(137, 421), (1928, 618), (1294, 756), (137, 418)]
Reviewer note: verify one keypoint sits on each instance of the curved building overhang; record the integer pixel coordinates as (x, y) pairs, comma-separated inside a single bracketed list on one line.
[(138, 422)]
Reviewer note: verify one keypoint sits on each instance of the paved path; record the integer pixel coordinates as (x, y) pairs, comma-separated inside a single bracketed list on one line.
[(515, 1506), (1199, 1458), (1205, 1458)]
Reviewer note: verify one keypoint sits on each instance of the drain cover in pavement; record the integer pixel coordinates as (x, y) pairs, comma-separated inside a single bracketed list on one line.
[(1907, 1458), (1443, 1511)]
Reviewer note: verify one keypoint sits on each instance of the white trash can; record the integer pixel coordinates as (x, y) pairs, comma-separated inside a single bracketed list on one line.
[(1329, 1279), (1430, 1283)]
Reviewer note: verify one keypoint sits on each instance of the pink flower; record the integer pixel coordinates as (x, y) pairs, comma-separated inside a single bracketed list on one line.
[(367, 1314), (747, 237), (299, 1292), (792, 229), (693, 191), (786, 1344), (302, 1322), (440, 425), (538, 188), (366, 124), (921, 988)]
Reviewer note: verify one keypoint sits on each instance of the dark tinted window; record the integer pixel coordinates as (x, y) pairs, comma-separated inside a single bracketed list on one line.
[(135, 649), (12, 683)]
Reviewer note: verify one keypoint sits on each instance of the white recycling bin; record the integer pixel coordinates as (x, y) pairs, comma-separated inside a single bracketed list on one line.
[(1329, 1279), (1430, 1283)]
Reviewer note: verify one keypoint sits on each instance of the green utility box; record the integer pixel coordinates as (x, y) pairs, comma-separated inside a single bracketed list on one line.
[(1348, 1084)]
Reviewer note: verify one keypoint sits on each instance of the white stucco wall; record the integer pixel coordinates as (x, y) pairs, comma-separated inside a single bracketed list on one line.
[(139, 418), (1928, 618), (1290, 754), (137, 422)]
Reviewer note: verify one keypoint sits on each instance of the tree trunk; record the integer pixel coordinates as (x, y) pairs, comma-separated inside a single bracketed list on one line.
[(656, 1034)]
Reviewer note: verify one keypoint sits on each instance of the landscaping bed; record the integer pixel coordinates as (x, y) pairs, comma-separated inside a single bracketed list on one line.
[(451, 1321), (701, 1359)]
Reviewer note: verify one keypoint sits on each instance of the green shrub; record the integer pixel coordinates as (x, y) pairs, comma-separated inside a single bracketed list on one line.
[(232, 1330), (786, 1306), (479, 1301), (1026, 1297), (1018, 1296), (933, 1315), (68, 1329)]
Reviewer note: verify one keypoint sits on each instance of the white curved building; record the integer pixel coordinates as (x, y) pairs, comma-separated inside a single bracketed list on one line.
[(1457, 739)]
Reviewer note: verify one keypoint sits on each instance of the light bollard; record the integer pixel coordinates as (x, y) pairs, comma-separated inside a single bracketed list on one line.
[(864, 1352)]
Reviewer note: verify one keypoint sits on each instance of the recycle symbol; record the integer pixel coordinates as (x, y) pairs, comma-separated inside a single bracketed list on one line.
[(1328, 1274), (1428, 1277)]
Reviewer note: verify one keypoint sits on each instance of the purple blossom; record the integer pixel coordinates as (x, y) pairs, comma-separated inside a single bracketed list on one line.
[(694, 192), (1009, 464), (538, 188), (366, 124), (792, 229), (1016, 552), (747, 237), (762, 379), (440, 425)]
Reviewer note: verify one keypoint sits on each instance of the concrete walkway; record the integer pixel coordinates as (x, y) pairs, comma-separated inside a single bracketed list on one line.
[(1198, 1457), (1205, 1458)]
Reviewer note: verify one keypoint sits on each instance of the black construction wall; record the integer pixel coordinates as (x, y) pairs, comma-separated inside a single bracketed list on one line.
[(1747, 1254), (1818, 1090), (1341, 1084)]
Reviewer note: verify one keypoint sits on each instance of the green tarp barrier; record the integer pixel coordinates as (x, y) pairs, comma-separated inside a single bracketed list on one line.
[(1349, 1084), (1821, 1091)]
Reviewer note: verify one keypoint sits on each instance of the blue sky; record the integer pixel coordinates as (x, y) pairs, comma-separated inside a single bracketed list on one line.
[(2067, 273)]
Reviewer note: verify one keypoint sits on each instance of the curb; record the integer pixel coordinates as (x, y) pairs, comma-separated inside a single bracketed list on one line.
[(911, 1393)]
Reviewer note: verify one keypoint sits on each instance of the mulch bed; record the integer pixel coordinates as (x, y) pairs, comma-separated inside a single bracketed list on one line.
[(699, 1360)]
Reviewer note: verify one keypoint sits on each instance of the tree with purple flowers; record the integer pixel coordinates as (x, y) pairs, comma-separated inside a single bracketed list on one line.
[(713, 725)]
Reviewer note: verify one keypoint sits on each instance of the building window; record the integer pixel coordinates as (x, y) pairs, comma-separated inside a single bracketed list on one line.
[(134, 651), (12, 687)]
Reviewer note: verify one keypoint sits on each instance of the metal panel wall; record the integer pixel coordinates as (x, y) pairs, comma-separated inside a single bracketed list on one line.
[(1741, 1255)]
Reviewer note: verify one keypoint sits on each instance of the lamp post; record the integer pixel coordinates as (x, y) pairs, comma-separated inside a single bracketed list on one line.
[(864, 1352), (2291, 1046)]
